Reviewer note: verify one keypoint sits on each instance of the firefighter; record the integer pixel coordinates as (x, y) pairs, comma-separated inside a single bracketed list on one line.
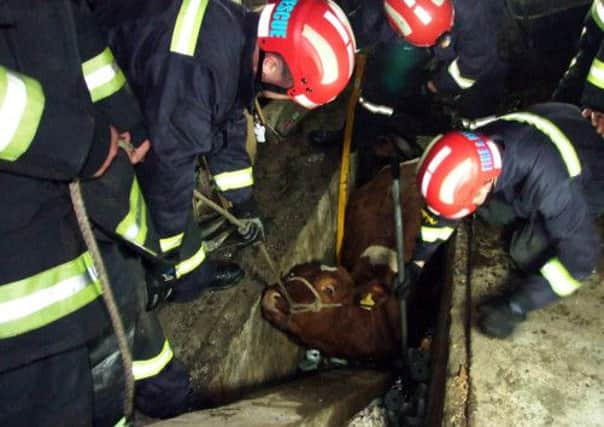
[(195, 67), (64, 106), (430, 63), (535, 172), (583, 82), (463, 38)]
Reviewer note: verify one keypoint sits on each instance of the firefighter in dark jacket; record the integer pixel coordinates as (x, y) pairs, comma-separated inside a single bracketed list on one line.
[(461, 37), (195, 67), (535, 171), (583, 82), (429, 63), (63, 104)]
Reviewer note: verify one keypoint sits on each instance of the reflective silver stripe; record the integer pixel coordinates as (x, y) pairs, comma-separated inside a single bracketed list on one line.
[(462, 82), (376, 108), (103, 76), (39, 300), (192, 263), (21, 106), (169, 243), (134, 225), (596, 73), (187, 26), (234, 180), (142, 369), (564, 146), (432, 234), (597, 13), (561, 281)]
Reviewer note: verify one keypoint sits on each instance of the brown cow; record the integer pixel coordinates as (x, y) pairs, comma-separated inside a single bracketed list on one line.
[(349, 311)]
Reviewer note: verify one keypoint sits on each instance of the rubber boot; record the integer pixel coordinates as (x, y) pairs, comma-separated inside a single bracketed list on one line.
[(498, 319)]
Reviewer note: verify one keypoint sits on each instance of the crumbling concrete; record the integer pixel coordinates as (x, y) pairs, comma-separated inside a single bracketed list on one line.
[(327, 399), (549, 373)]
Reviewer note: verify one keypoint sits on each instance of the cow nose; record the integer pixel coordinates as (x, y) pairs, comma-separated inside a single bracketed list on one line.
[(270, 300)]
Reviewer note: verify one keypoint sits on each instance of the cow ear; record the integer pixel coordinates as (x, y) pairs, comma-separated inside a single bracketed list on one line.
[(372, 296)]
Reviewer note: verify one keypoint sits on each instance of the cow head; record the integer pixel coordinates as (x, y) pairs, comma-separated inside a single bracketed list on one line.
[(323, 308)]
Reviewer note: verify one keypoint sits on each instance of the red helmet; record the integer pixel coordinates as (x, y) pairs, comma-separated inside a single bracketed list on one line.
[(453, 169), (316, 41), (420, 22)]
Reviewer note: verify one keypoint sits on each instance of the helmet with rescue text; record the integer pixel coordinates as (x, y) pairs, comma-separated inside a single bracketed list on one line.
[(317, 44)]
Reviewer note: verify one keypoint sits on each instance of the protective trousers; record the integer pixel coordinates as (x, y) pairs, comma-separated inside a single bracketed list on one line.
[(84, 386), (162, 382), (529, 248)]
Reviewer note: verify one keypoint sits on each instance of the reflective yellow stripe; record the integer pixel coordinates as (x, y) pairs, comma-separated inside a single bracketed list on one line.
[(134, 225), (597, 13), (192, 263), (462, 82), (170, 243), (234, 180), (564, 146), (21, 105), (103, 76), (187, 26), (121, 423), (147, 368), (41, 299), (432, 234), (561, 281), (596, 73)]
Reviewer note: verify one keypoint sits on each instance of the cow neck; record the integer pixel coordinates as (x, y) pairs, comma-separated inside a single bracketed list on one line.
[(296, 307)]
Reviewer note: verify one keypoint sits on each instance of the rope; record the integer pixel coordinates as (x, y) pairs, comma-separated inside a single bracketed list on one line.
[(237, 223), (122, 342)]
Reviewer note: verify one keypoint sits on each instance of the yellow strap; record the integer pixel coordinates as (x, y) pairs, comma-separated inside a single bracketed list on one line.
[(345, 168)]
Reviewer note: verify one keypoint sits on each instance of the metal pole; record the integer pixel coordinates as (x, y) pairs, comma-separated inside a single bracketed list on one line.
[(400, 251)]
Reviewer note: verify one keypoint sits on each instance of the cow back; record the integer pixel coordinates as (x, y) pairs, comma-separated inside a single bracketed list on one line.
[(370, 214)]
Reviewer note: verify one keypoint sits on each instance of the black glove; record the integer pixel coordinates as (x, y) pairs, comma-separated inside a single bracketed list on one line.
[(160, 277), (159, 286), (412, 273), (252, 229)]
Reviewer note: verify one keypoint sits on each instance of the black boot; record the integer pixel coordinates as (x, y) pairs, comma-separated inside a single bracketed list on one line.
[(211, 276), (227, 275), (499, 318)]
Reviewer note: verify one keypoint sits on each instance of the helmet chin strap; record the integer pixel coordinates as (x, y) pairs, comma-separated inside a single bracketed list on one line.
[(263, 86)]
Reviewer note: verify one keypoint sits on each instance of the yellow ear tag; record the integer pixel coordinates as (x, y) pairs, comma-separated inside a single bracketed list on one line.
[(367, 302)]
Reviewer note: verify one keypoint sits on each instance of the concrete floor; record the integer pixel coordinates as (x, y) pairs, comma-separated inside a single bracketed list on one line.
[(549, 373)]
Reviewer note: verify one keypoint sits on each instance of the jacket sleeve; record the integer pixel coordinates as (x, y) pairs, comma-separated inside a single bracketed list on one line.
[(230, 164), (105, 80), (571, 86), (180, 110), (593, 93), (568, 224), (434, 231), (474, 53), (45, 135)]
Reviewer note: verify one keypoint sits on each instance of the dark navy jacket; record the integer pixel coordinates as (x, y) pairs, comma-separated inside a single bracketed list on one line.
[(583, 82), (193, 103), (64, 90), (472, 53), (550, 174)]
